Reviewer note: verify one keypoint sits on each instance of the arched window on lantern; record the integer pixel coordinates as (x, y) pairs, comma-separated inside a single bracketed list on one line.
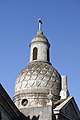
[(35, 53)]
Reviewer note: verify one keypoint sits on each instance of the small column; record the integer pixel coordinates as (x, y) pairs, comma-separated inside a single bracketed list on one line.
[(64, 88)]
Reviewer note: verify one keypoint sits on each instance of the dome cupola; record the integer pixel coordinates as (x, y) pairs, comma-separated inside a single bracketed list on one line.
[(39, 46), (39, 78)]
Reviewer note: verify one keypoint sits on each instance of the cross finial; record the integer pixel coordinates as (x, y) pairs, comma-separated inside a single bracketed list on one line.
[(40, 23)]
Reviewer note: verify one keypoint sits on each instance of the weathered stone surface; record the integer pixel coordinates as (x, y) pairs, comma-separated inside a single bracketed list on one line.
[(41, 43), (40, 37), (39, 75), (39, 113), (35, 82)]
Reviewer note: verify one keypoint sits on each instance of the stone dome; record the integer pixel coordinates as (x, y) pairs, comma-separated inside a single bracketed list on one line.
[(38, 77), (39, 82), (40, 37)]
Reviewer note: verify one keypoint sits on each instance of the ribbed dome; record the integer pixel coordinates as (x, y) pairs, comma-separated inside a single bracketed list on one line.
[(38, 77), (39, 37)]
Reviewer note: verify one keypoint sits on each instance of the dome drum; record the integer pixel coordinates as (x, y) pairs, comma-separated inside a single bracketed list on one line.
[(33, 100)]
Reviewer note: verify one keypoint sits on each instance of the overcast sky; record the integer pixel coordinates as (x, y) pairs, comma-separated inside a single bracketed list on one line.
[(61, 25)]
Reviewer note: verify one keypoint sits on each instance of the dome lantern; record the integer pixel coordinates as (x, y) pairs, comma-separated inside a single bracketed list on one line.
[(39, 46)]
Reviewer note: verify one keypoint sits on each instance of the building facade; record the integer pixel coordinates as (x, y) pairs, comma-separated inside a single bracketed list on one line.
[(41, 93)]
